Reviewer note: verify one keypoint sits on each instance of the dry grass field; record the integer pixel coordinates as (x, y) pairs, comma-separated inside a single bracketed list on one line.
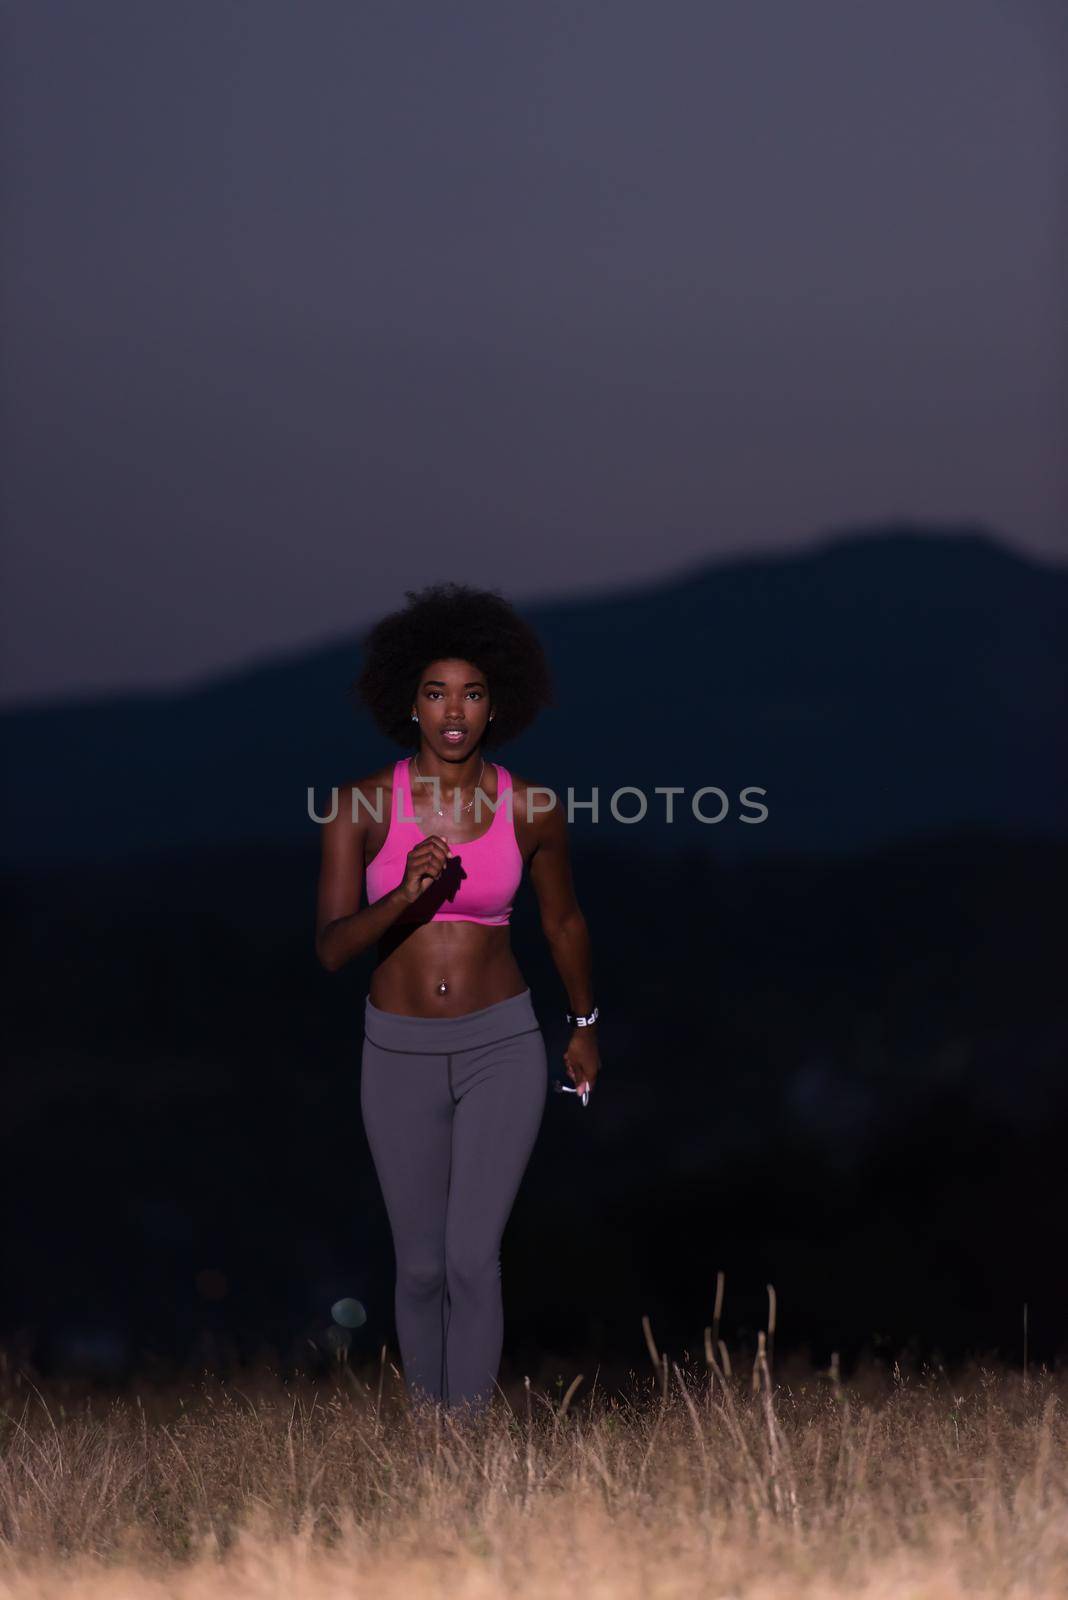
[(697, 1480)]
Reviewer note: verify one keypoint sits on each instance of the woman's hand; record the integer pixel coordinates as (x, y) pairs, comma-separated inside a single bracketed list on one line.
[(582, 1058), (425, 863)]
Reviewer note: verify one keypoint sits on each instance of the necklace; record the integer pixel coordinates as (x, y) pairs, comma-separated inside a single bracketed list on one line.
[(470, 803), (443, 987)]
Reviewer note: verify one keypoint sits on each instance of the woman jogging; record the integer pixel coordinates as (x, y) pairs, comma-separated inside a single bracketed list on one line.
[(454, 1066)]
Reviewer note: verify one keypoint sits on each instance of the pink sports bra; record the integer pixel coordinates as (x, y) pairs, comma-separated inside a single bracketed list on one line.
[(479, 881)]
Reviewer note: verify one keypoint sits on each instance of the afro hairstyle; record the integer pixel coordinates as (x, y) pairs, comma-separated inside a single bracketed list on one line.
[(453, 621)]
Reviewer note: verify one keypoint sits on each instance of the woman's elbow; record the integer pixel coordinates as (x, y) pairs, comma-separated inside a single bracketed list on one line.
[(563, 926)]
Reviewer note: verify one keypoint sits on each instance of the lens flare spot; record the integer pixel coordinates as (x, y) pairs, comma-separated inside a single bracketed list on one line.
[(348, 1313)]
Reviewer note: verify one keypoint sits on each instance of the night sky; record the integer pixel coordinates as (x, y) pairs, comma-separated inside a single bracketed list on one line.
[(307, 304)]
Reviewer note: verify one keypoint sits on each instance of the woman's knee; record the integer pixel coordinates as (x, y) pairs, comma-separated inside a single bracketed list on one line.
[(472, 1269), (420, 1276)]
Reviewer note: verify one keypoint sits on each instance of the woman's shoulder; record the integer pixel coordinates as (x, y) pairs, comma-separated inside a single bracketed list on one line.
[(376, 792), (532, 802)]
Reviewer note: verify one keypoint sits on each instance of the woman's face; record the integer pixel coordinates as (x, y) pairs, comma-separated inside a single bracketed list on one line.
[(452, 695)]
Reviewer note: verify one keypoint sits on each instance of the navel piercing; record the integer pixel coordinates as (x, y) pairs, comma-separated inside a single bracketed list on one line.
[(442, 986)]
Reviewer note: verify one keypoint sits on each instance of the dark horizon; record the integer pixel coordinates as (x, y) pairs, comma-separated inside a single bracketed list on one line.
[(557, 596), (811, 659)]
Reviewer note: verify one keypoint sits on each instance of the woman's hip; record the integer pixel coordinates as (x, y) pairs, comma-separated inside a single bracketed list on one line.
[(444, 1036)]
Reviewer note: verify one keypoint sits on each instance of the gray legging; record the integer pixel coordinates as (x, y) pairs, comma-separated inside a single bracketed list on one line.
[(452, 1107)]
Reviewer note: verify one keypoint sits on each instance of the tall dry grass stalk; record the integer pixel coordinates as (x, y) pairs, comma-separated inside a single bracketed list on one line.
[(693, 1481)]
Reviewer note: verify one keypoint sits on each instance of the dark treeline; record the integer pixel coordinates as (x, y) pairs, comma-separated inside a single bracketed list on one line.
[(843, 1077)]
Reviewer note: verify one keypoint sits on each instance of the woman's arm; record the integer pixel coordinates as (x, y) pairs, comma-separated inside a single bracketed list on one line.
[(342, 930), (565, 930)]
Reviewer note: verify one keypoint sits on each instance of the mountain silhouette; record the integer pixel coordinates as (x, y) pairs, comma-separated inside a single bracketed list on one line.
[(881, 685)]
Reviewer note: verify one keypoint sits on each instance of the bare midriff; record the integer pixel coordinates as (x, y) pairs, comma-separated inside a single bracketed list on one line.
[(474, 959)]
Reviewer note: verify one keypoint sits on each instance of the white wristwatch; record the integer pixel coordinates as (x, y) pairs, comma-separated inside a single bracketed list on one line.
[(582, 1022)]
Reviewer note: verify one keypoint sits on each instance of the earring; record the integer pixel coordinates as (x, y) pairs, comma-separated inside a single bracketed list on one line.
[(414, 717)]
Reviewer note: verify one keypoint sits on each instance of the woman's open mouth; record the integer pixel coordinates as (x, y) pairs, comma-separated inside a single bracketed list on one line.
[(454, 735)]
